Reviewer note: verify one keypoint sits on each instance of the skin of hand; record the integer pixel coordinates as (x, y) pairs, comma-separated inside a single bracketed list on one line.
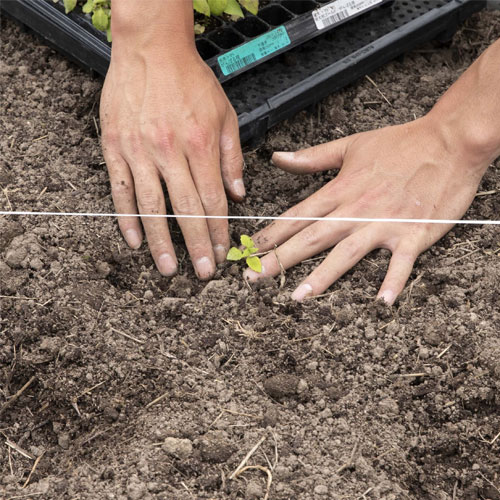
[(165, 118), (426, 169)]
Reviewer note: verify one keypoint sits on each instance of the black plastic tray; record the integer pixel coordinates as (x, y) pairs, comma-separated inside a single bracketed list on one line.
[(229, 48), (291, 82)]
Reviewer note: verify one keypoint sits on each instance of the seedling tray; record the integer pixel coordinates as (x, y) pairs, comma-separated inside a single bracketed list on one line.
[(278, 88), (229, 48)]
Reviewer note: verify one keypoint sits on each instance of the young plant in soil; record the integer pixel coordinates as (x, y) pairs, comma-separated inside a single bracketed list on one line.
[(249, 254)]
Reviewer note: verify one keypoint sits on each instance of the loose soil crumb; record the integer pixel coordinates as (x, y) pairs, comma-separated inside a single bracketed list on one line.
[(144, 387)]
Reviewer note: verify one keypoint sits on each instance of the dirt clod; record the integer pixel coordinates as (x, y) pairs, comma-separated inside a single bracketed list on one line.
[(281, 386)]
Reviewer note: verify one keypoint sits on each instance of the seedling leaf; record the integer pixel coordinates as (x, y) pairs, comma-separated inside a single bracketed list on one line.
[(69, 5), (202, 7), (217, 7), (246, 241), (254, 264), (88, 7), (234, 254), (233, 9), (251, 5), (246, 253), (100, 19)]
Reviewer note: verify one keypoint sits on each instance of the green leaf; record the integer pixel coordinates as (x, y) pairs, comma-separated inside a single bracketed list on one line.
[(246, 253), (253, 250), (199, 29), (233, 9), (100, 19), (217, 7), (246, 241), (108, 34), (254, 264), (88, 7), (234, 254), (69, 5), (202, 7), (251, 5)]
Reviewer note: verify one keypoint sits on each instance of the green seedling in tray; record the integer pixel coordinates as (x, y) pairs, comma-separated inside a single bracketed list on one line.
[(249, 253), (101, 10)]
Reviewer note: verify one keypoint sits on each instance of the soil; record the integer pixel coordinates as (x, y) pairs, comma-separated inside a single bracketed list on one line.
[(117, 383)]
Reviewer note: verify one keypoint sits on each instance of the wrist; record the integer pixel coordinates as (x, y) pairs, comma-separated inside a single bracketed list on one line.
[(153, 29), (472, 142)]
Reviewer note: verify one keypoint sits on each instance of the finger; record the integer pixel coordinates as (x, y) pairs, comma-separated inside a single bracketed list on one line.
[(315, 159), (206, 175), (319, 204), (122, 191), (150, 200), (400, 268), (185, 201), (231, 157), (343, 257), (309, 242)]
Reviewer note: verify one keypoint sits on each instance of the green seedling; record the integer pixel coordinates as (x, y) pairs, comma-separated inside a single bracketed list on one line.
[(249, 253)]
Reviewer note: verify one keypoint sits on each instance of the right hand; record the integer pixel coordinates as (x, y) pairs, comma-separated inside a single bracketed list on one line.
[(165, 117)]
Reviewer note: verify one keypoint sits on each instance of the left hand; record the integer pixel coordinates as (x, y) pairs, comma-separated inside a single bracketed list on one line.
[(409, 171)]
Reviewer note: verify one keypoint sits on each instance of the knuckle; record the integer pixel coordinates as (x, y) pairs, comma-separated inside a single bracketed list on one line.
[(185, 205), (122, 188), (351, 248), (213, 200), (149, 202), (199, 138), (311, 236), (163, 138)]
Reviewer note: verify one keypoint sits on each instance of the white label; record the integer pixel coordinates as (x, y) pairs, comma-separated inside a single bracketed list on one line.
[(340, 10)]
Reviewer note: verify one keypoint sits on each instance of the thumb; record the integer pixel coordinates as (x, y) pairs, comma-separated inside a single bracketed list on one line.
[(315, 159)]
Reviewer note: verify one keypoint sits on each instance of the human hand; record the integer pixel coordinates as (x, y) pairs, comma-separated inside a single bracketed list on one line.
[(409, 171), (165, 117)]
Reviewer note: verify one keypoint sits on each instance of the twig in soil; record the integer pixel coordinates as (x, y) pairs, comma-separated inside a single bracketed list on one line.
[(187, 489), (10, 461), (487, 193), (443, 352), (96, 127), (495, 438), (35, 465), (127, 336), (90, 389), (7, 197), (363, 495), (378, 90), (20, 450), (247, 458), (40, 138), (263, 469), (42, 192), (27, 495), (419, 374), (350, 462), (157, 400), (282, 269), (17, 395), (488, 481)]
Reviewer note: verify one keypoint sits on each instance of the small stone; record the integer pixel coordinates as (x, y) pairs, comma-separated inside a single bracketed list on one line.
[(302, 386), (63, 440), (51, 344), (432, 338), (321, 489), (423, 353), (216, 449), (326, 413), (254, 490), (135, 489), (281, 386), (36, 264), (370, 333), (103, 269), (389, 405), (270, 417), (110, 414), (15, 257), (180, 448), (148, 295), (476, 466)]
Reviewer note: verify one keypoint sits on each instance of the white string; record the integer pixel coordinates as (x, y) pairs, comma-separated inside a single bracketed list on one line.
[(262, 217)]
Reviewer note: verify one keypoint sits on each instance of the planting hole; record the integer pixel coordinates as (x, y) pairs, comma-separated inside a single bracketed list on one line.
[(206, 49), (300, 6), (275, 15), (251, 26), (226, 38)]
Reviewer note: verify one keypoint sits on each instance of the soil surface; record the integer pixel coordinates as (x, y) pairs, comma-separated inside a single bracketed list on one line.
[(117, 383)]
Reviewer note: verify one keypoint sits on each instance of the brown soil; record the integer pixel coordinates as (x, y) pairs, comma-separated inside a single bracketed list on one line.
[(144, 387)]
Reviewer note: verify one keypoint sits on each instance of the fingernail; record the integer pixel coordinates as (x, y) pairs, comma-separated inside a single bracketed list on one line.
[(302, 292), (204, 268), (252, 275), (239, 188), (220, 252), (166, 264), (388, 296), (133, 239)]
